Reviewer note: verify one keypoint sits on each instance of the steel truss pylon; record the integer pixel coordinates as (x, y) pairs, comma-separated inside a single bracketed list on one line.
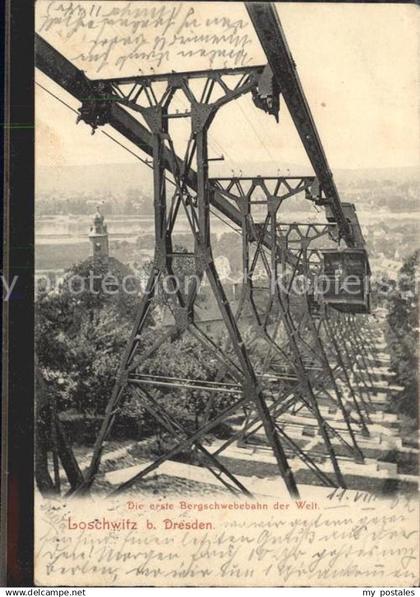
[(196, 207), (317, 349), (278, 314)]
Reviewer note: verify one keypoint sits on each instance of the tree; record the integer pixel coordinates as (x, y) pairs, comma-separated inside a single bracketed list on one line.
[(50, 436), (185, 358), (402, 335), (81, 331)]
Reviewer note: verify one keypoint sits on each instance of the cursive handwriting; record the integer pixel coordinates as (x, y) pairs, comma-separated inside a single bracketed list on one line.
[(322, 547), (145, 34)]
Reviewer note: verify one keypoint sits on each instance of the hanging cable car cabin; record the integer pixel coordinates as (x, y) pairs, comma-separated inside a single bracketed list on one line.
[(346, 272), (345, 282)]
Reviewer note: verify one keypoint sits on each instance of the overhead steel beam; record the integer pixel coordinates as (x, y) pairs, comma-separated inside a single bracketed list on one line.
[(270, 32), (74, 81), (55, 66)]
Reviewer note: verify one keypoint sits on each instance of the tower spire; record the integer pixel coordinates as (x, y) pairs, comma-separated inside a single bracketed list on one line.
[(98, 236)]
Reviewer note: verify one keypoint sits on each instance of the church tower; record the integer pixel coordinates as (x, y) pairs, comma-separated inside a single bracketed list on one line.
[(98, 236)]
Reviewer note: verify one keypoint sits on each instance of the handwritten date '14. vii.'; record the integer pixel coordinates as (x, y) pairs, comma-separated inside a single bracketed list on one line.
[(116, 34)]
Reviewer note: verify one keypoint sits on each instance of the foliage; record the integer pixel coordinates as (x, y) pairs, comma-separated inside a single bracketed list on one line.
[(80, 333), (402, 335), (187, 359)]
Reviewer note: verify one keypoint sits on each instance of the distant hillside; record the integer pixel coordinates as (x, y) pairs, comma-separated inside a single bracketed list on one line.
[(114, 178), (117, 178), (408, 174)]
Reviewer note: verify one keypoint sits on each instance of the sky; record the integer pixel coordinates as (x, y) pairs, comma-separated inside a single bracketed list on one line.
[(358, 65)]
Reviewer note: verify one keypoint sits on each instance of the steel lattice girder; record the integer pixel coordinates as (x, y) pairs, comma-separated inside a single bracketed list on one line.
[(183, 304), (71, 79), (74, 81), (272, 38), (234, 189), (306, 233)]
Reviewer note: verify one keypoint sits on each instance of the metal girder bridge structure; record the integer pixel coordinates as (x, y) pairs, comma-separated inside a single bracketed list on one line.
[(286, 355), (289, 327)]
